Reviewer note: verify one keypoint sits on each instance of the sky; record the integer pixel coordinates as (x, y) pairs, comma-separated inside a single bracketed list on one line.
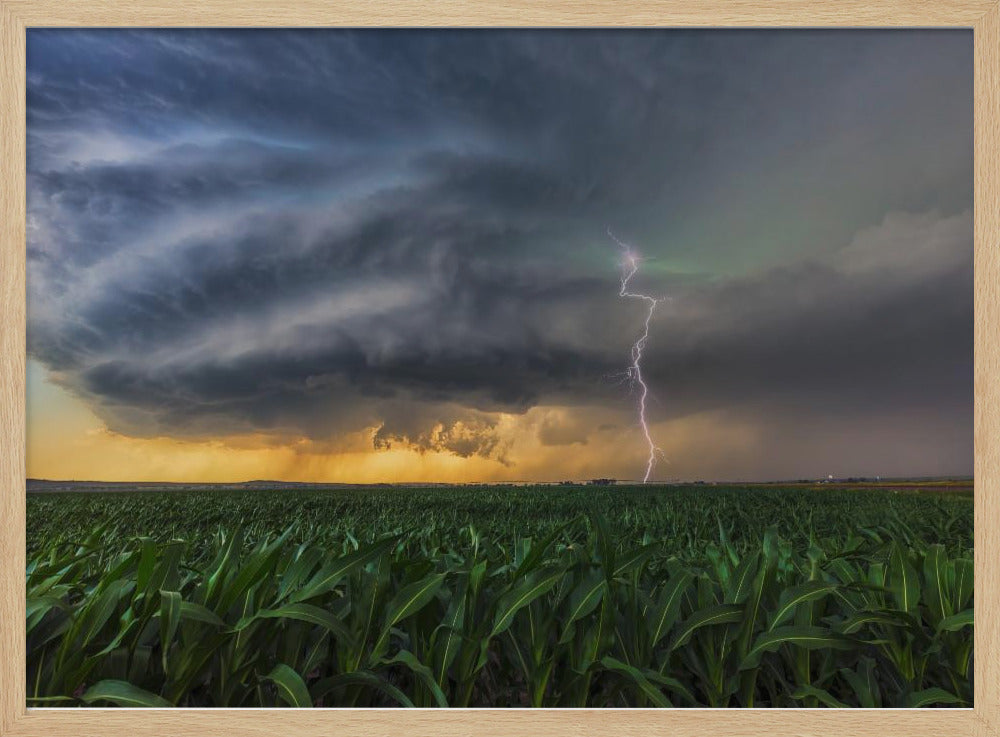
[(383, 255)]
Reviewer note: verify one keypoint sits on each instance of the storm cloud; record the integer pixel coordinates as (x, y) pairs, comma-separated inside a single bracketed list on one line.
[(313, 232)]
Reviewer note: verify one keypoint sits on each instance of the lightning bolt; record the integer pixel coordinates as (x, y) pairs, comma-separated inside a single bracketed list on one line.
[(630, 267)]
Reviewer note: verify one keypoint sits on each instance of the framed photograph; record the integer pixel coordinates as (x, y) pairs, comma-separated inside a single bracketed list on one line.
[(453, 370)]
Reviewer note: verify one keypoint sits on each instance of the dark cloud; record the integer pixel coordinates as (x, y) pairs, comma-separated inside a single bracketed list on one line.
[(316, 232), (867, 330)]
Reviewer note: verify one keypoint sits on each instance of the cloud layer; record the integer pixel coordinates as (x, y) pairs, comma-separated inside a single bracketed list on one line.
[(308, 234)]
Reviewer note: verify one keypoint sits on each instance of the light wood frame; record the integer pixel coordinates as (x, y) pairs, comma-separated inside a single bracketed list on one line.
[(983, 16)]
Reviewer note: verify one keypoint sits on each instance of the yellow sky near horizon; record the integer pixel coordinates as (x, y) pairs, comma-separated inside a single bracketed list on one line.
[(66, 440)]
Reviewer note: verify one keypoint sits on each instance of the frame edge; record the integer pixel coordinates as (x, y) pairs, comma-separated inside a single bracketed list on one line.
[(986, 34), (12, 366)]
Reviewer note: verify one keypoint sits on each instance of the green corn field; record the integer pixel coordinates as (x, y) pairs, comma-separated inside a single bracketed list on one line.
[(501, 597)]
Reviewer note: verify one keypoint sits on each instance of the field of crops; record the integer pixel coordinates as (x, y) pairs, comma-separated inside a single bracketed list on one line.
[(501, 596)]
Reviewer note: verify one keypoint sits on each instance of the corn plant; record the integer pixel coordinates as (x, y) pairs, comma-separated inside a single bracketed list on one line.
[(579, 614)]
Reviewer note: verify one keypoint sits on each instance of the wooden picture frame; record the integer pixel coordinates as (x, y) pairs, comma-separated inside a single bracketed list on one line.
[(983, 16)]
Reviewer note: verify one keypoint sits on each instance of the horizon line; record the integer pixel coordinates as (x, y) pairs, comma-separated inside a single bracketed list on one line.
[(543, 482)]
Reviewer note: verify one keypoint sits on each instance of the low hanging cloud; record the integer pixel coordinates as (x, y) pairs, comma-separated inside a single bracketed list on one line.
[(465, 438), (309, 234)]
